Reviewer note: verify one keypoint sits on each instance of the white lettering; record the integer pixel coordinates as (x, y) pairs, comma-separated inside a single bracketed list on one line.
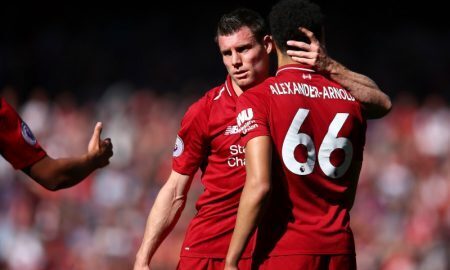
[(343, 94), (307, 90), (296, 89), (330, 90), (288, 86), (338, 94), (278, 89), (237, 149), (349, 96), (313, 92), (274, 91), (236, 161), (244, 115), (325, 93), (283, 89)]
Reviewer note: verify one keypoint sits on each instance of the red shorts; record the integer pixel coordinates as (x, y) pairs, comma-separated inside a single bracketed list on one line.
[(192, 263), (307, 262)]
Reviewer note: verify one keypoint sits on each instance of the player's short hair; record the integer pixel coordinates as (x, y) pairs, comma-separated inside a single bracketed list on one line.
[(288, 15), (231, 22)]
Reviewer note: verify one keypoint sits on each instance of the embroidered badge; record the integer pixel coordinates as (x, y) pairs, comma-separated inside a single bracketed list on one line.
[(179, 147), (27, 134)]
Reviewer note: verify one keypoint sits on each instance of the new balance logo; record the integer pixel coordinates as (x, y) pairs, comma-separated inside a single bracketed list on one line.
[(231, 130), (306, 76), (244, 116)]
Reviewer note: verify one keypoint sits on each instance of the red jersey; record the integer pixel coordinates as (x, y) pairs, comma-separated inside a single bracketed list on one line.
[(209, 140), (318, 132), (17, 143)]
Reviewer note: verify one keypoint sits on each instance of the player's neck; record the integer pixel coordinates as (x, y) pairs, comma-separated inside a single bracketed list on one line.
[(236, 88), (284, 59)]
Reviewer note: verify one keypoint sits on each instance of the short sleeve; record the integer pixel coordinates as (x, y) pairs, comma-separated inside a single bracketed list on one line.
[(17, 143), (253, 114), (191, 144)]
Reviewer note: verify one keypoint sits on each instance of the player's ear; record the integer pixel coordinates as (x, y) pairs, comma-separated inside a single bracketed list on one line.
[(268, 43)]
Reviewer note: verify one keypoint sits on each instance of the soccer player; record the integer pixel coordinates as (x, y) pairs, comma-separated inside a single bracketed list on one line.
[(208, 139), (304, 137), (20, 148)]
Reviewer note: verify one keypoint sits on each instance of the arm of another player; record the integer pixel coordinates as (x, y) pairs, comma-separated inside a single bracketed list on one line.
[(164, 215), (59, 173), (258, 154), (376, 103)]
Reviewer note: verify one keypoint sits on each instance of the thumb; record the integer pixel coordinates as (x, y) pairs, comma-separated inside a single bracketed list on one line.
[(97, 132)]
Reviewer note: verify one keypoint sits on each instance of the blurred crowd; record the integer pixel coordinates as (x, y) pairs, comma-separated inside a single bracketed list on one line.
[(401, 217)]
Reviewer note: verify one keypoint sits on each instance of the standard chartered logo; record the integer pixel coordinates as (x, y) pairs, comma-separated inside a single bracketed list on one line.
[(236, 156)]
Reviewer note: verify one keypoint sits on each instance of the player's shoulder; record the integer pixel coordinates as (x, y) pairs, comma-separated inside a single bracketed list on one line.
[(325, 81), (203, 105), (216, 93), (5, 108), (8, 115)]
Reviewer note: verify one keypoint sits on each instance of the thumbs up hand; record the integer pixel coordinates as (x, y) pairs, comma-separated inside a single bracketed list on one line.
[(99, 150)]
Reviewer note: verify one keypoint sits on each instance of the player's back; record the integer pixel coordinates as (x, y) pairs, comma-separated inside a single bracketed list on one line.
[(318, 133)]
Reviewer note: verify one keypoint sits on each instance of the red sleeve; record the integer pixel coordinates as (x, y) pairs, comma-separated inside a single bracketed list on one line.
[(192, 141), (253, 115), (17, 143)]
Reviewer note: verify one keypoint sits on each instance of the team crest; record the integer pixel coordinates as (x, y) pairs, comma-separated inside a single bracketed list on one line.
[(179, 147), (27, 134)]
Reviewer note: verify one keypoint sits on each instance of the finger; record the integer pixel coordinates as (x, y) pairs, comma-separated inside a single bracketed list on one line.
[(301, 54), (107, 141), (303, 60), (107, 154), (299, 45), (97, 131), (106, 145), (309, 34)]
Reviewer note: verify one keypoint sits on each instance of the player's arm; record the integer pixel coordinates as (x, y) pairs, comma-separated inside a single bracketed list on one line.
[(163, 216), (59, 173), (376, 104), (257, 186)]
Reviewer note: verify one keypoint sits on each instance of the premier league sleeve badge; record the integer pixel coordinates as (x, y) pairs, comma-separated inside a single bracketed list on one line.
[(27, 134), (179, 147)]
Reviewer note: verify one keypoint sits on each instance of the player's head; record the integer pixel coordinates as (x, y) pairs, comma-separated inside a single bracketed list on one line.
[(245, 45), (288, 15)]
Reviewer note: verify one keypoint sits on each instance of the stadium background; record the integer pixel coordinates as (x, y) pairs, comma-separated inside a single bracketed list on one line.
[(137, 68)]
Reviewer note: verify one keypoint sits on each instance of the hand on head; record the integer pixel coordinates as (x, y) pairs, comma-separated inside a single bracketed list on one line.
[(312, 54)]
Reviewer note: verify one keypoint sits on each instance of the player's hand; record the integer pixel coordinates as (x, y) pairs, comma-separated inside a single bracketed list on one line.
[(100, 151), (312, 54)]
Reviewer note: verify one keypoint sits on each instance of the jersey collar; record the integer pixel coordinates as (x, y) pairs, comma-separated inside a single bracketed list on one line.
[(292, 67), (229, 87)]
